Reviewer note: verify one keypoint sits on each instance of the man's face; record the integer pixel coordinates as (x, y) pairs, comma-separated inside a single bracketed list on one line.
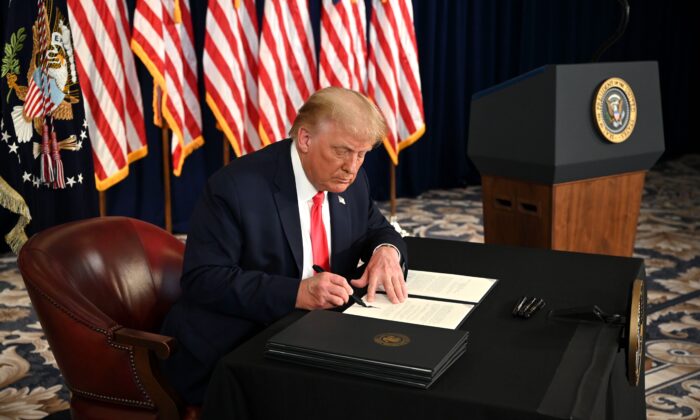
[(331, 158)]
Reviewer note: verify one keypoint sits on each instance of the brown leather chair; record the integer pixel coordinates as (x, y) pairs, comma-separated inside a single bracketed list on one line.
[(101, 288)]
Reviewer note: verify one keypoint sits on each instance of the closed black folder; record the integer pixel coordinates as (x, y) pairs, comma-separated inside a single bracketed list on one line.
[(398, 352)]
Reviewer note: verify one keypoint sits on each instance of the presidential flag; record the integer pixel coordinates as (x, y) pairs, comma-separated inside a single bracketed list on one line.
[(343, 55), (113, 106), (393, 77), (230, 70), (163, 38), (287, 66), (46, 171)]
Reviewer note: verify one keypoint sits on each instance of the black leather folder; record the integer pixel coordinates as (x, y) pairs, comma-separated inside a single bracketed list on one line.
[(398, 352)]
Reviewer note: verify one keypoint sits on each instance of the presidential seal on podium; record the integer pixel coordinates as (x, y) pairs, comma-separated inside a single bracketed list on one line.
[(615, 110)]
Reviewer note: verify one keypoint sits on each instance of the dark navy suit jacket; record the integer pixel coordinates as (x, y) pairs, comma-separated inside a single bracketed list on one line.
[(243, 258)]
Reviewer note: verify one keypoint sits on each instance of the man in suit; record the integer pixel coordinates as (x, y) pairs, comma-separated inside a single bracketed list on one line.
[(266, 219)]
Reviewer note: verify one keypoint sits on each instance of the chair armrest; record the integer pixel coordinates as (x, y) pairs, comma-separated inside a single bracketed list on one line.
[(161, 345)]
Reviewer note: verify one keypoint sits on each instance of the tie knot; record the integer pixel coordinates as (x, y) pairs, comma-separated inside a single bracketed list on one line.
[(318, 198)]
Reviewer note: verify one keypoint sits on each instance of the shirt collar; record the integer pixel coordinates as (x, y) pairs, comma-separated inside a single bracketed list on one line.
[(305, 189)]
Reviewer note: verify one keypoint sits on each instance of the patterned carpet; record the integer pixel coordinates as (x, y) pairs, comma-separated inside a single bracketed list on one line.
[(668, 238)]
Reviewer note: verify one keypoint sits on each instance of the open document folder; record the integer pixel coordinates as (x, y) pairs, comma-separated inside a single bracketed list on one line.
[(434, 299)]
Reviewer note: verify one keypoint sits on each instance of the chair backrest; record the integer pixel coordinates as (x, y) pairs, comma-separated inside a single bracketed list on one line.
[(88, 278)]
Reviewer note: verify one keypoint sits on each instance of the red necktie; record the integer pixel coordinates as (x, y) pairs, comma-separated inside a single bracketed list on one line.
[(319, 244)]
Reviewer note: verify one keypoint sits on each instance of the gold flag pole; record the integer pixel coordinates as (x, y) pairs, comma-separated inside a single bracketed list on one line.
[(393, 219), (392, 190), (103, 203), (166, 179), (227, 151)]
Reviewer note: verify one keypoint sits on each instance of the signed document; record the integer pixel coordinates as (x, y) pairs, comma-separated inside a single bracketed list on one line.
[(433, 313), (434, 299), (448, 286)]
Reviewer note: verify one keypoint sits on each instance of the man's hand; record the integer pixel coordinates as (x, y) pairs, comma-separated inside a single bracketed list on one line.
[(323, 291), (384, 267)]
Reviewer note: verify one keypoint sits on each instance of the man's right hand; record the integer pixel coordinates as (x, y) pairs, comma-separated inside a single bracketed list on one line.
[(323, 291)]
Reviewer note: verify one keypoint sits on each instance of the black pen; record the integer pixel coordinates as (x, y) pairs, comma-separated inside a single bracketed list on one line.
[(319, 269)]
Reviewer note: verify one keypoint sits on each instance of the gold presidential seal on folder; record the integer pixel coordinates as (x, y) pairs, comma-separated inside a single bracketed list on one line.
[(391, 339), (615, 110), (635, 337)]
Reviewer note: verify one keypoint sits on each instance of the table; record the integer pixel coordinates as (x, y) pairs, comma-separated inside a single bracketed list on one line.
[(540, 368)]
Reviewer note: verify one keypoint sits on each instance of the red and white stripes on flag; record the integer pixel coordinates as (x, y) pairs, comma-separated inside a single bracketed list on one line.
[(110, 87), (393, 77), (37, 103), (343, 54), (163, 39), (231, 71), (287, 66)]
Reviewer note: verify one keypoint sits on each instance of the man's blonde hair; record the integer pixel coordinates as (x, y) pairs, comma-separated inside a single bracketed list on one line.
[(351, 111)]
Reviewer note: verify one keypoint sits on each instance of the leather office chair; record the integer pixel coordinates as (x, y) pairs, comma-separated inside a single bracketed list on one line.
[(101, 288)]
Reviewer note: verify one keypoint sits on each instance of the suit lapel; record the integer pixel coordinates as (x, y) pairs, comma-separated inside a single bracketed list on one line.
[(341, 228), (287, 206)]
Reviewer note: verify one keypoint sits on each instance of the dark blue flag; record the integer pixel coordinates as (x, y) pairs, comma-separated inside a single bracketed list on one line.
[(46, 171)]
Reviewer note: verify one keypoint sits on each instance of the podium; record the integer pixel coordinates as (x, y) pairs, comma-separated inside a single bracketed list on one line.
[(563, 151)]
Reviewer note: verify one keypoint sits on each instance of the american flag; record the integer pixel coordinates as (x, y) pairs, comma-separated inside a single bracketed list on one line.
[(343, 55), (163, 40), (287, 66), (393, 78), (231, 71), (113, 107)]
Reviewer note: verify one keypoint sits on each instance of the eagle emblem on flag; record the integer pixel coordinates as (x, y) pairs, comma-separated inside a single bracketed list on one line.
[(46, 156), (50, 92)]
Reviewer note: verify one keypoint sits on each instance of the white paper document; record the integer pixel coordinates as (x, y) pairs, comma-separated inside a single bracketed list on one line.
[(414, 311), (448, 286)]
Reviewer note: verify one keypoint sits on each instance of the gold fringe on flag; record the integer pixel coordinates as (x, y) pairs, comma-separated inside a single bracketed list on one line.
[(12, 201)]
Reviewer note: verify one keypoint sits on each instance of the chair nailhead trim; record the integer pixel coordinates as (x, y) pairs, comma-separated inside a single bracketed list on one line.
[(110, 336), (135, 403)]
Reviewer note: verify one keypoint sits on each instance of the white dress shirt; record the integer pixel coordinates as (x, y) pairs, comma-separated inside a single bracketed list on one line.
[(305, 194)]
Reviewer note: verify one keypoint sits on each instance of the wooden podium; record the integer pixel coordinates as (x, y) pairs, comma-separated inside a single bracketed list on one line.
[(563, 151)]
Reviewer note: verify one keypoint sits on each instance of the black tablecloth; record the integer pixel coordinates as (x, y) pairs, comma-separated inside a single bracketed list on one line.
[(513, 368)]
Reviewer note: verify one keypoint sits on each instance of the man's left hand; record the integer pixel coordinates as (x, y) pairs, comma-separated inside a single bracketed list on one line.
[(384, 267)]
